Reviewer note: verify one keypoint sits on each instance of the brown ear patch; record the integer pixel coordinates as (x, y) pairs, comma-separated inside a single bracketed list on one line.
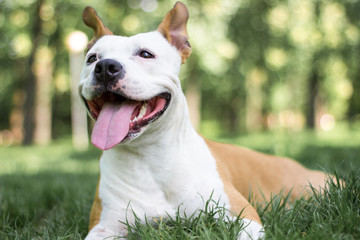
[(92, 20), (173, 28)]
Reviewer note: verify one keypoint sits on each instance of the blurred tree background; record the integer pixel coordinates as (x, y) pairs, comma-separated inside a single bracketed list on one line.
[(257, 65)]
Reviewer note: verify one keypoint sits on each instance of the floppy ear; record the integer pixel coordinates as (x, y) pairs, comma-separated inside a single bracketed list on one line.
[(92, 20), (173, 28)]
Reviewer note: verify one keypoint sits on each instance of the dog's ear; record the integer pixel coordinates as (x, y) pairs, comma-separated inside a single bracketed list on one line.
[(173, 28), (92, 20)]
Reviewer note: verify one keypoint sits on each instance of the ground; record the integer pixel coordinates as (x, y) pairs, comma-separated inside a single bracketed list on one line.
[(46, 192)]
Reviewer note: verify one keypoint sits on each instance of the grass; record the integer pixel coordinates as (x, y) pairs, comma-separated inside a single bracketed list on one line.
[(46, 193), (45, 206), (211, 223), (333, 214)]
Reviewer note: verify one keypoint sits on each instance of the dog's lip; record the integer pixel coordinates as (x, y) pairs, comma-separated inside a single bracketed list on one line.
[(137, 124), (95, 105)]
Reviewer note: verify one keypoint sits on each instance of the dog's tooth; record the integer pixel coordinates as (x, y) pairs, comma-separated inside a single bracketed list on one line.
[(142, 110)]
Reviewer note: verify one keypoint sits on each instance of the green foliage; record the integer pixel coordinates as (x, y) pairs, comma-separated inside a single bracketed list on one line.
[(251, 59)]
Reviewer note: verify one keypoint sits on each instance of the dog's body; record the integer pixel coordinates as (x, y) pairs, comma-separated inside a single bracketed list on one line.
[(155, 163)]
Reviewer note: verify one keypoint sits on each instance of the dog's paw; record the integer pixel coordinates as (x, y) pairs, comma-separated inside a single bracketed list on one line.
[(98, 233), (252, 230)]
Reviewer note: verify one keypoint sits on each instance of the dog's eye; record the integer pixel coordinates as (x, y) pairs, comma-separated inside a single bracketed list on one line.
[(92, 58), (146, 54)]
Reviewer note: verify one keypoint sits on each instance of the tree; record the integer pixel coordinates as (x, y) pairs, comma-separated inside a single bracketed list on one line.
[(30, 78)]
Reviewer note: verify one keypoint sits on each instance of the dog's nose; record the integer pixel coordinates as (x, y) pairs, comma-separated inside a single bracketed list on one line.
[(108, 70)]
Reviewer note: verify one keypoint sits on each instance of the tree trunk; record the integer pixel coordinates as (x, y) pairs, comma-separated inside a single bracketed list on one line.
[(78, 114), (44, 71), (313, 89), (254, 100), (193, 98), (354, 102), (30, 80), (234, 121), (313, 83)]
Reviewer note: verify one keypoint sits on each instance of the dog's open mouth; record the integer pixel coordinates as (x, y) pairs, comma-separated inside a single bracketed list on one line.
[(118, 118)]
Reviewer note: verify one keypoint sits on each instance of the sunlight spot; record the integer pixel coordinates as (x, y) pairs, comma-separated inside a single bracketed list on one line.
[(76, 41), (300, 35), (333, 17), (149, 5), (22, 45), (276, 57), (327, 122), (304, 10), (278, 18), (213, 9), (47, 12), (62, 82), (213, 63), (344, 88), (19, 18), (227, 49), (257, 76), (130, 23)]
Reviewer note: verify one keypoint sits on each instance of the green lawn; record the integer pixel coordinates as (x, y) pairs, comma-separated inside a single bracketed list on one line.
[(46, 193)]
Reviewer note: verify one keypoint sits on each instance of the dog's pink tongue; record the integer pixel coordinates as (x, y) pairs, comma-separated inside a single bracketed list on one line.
[(112, 125)]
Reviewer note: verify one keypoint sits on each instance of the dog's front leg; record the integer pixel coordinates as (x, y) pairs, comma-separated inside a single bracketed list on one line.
[(109, 225), (252, 228)]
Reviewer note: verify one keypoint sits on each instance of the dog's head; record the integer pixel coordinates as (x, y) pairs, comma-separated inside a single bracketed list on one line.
[(129, 83)]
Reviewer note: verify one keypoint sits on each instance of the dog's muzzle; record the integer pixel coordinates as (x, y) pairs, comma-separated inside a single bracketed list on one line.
[(117, 116)]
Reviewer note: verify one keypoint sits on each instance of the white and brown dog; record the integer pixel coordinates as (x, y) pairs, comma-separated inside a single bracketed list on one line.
[(154, 161)]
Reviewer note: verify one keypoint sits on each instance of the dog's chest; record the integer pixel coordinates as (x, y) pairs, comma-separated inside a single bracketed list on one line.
[(132, 188), (157, 188)]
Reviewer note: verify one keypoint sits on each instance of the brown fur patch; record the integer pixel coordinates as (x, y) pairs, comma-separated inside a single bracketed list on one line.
[(96, 209), (246, 172)]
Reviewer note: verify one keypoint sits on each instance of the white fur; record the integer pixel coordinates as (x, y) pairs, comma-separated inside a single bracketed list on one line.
[(252, 230), (168, 164)]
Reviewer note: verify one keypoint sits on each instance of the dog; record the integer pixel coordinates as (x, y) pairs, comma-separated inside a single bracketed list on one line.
[(154, 162)]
